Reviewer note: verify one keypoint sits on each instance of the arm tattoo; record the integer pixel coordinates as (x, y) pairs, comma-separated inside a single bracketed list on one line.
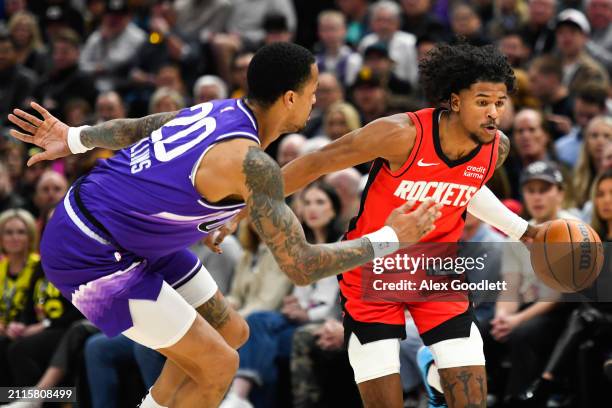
[(503, 149), (282, 232), (119, 133)]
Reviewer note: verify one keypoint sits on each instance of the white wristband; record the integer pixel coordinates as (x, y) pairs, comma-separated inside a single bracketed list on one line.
[(384, 241), (74, 140)]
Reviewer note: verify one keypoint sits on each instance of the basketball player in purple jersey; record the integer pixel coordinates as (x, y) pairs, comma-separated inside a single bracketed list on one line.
[(116, 245)]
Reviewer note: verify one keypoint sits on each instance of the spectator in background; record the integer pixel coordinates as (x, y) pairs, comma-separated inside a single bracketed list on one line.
[(240, 66), (169, 76), (289, 148), (276, 29), (385, 26), (106, 357), (30, 50), (47, 317), (272, 332), (340, 119), (65, 81), (222, 265), (467, 26), (509, 16), (600, 17), (59, 16), (545, 83), (328, 92), (602, 199), (251, 289), (528, 317), (347, 183), (589, 102), (332, 53), (598, 134), (513, 46), (572, 33), (109, 106), (357, 18), (167, 44), (110, 51), (200, 19), (208, 88), (18, 243), (16, 82), (8, 197), (606, 157), (539, 31), (376, 58), (166, 100), (370, 96), (14, 157), (530, 141), (50, 189), (244, 30), (417, 20)]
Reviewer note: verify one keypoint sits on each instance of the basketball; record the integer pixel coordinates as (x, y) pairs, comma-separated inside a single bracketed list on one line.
[(567, 255)]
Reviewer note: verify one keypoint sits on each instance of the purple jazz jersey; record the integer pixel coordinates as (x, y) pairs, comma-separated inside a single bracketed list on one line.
[(145, 195), (146, 200)]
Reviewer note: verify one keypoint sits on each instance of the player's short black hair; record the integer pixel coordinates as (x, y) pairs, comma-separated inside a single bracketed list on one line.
[(276, 69), (449, 69)]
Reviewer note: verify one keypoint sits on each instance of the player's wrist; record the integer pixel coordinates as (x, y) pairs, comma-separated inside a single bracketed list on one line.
[(74, 140), (384, 241)]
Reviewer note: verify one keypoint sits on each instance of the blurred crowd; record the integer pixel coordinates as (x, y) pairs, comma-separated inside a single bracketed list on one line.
[(89, 61)]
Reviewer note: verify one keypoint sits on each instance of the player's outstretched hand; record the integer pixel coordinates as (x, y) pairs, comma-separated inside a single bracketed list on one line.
[(49, 133), (412, 224)]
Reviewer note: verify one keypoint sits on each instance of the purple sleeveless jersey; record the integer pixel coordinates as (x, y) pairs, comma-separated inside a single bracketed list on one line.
[(145, 195), (147, 212)]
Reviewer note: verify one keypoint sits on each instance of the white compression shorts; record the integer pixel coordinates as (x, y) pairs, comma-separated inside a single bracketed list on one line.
[(163, 322)]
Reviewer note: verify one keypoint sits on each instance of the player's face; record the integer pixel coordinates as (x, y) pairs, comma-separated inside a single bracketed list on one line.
[(317, 209), (303, 102), (14, 236), (603, 200), (480, 108), (542, 200)]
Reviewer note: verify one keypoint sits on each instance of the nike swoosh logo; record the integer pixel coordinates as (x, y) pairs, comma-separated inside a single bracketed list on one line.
[(420, 163)]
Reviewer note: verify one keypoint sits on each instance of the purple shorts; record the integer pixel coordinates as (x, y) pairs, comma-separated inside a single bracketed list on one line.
[(97, 276)]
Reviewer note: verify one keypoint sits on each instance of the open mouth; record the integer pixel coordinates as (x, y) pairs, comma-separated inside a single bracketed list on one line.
[(491, 129)]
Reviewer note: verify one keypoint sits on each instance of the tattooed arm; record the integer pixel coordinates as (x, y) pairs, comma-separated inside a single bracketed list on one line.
[(51, 134), (281, 231), (503, 149), (119, 133)]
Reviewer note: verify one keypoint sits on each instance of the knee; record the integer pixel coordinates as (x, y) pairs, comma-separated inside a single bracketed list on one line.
[(226, 365), (241, 334)]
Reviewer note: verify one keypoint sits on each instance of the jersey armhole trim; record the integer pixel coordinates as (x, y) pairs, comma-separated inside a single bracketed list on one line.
[(222, 138), (415, 148)]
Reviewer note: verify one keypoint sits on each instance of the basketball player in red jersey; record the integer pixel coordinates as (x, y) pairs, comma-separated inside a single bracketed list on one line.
[(448, 154)]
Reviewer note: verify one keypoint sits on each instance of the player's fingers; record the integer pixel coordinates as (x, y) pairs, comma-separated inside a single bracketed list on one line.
[(21, 136), (39, 157), (30, 118), (407, 206), (27, 126), (422, 209), (45, 113)]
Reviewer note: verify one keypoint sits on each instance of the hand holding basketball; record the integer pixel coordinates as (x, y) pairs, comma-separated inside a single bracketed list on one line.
[(567, 255)]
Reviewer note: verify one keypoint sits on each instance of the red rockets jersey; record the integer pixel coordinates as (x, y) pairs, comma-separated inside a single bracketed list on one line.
[(426, 173)]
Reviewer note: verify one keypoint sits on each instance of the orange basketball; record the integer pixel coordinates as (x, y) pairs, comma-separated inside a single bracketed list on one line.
[(567, 255)]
